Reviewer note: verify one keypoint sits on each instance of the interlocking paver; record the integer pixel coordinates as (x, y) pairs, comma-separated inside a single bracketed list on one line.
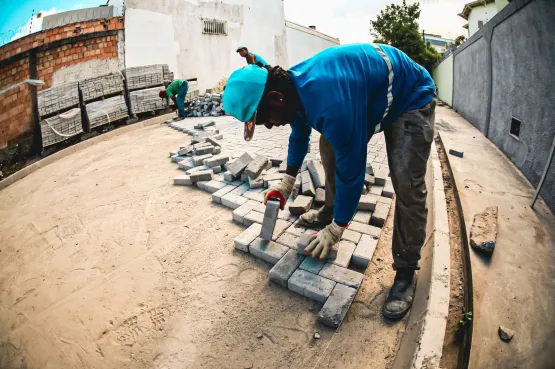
[(341, 275), (284, 268), (269, 251), (243, 241), (310, 285), (364, 251), (334, 310), (270, 219)]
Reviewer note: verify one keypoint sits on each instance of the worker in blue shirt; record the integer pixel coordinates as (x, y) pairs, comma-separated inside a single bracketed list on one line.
[(348, 93), (251, 58)]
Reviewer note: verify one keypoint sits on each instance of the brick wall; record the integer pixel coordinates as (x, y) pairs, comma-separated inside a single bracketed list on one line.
[(16, 116), (50, 61)]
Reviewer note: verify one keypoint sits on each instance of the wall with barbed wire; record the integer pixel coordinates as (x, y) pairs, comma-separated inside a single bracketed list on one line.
[(42, 21)]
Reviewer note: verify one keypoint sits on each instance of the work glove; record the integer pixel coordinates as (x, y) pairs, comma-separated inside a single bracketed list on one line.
[(281, 191), (320, 244)]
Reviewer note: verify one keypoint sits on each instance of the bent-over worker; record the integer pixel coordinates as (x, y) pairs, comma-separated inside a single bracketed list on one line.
[(251, 58), (177, 91), (348, 93)]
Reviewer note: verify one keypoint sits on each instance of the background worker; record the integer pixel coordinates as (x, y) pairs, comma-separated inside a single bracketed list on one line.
[(251, 58), (348, 93), (177, 91)]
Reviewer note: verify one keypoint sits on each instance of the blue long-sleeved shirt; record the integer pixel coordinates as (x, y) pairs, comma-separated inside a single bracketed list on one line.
[(343, 90), (253, 58)]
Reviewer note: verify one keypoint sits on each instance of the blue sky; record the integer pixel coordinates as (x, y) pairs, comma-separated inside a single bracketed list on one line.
[(16, 13)]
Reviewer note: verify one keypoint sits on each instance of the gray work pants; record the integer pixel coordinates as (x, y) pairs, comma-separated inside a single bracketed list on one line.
[(408, 141)]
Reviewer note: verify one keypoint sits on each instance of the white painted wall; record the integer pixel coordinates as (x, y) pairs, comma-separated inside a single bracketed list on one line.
[(303, 42), (170, 31), (443, 79), (480, 13)]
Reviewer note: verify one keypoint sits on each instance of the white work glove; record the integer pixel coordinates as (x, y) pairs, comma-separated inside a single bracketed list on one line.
[(281, 191), (321, 243)]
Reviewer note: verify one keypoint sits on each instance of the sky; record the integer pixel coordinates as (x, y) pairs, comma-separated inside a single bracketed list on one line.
[(348, 20), (16, 14)]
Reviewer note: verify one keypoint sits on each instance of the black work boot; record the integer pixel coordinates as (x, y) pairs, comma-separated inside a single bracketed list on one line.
[(401, 295), (317, 218)]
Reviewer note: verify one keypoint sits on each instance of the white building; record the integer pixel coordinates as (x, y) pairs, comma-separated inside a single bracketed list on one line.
[(438, 43), (479, 12), (199, 38), (303, 42)]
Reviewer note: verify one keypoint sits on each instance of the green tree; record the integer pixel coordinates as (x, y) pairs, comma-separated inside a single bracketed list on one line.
[(397, 25), (458, 41)]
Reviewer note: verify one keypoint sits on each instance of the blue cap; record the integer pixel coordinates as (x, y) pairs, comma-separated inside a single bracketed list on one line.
[(240, 47), (243, 91)]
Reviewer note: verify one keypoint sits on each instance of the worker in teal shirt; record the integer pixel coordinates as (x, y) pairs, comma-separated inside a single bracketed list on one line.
[(177, 91), (348, 93), (251, 58)]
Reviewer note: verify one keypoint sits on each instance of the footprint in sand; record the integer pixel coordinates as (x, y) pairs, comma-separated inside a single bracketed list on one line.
[(249, 276)]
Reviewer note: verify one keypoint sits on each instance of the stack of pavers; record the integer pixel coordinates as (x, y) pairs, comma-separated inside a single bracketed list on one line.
[(106, 111), (167, 75), (101, 87), (144, 76), (144, 83), (103, 99), (60, 116), (210, 105), (240, 187)]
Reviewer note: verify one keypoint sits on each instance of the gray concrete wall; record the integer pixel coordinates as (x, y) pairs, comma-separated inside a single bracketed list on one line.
[(470, 98), (506, 70)]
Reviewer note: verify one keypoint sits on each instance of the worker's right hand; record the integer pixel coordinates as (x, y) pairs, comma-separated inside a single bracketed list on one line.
[(281, 191)]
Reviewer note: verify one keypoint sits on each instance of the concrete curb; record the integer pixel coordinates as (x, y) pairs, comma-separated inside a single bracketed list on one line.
[(78, 147), (422, 343)]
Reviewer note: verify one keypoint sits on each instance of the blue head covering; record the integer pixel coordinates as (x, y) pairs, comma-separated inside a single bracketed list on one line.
[(243, 91)]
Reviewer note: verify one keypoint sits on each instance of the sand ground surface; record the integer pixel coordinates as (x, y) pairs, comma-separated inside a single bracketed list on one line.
[(104, 263)]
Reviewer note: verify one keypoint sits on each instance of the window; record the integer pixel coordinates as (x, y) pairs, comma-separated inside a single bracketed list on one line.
[(515, 128), (480, 24), (214, 27)]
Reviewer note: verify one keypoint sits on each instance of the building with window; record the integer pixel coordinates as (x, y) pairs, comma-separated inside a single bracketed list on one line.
[(479, 12), (439, 43)]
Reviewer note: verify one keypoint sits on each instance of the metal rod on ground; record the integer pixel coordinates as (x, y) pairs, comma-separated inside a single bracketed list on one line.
[(547, 165)]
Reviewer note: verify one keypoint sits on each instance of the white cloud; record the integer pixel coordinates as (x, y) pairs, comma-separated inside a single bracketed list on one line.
[(349, 20), (78, 6), (32, 25)]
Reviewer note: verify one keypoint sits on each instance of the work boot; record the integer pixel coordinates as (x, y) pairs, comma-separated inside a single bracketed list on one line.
[(178, 119), (401, 295), (317, 218)]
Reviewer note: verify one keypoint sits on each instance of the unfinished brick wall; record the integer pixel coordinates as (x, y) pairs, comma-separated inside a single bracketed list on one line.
[(16, 116)]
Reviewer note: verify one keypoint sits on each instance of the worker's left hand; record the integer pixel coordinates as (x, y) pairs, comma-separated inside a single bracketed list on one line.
[(321, 243)]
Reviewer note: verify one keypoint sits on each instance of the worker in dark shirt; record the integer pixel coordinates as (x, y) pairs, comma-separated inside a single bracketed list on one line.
[(349, 93), (251, 58), (177, 91)]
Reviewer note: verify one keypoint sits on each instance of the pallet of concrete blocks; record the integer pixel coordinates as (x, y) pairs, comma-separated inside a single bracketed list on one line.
[(58, 98), (61, 127), (209, 105), (144, 76), (106, 111), (146, 100), (167, 75), (101, 86)]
